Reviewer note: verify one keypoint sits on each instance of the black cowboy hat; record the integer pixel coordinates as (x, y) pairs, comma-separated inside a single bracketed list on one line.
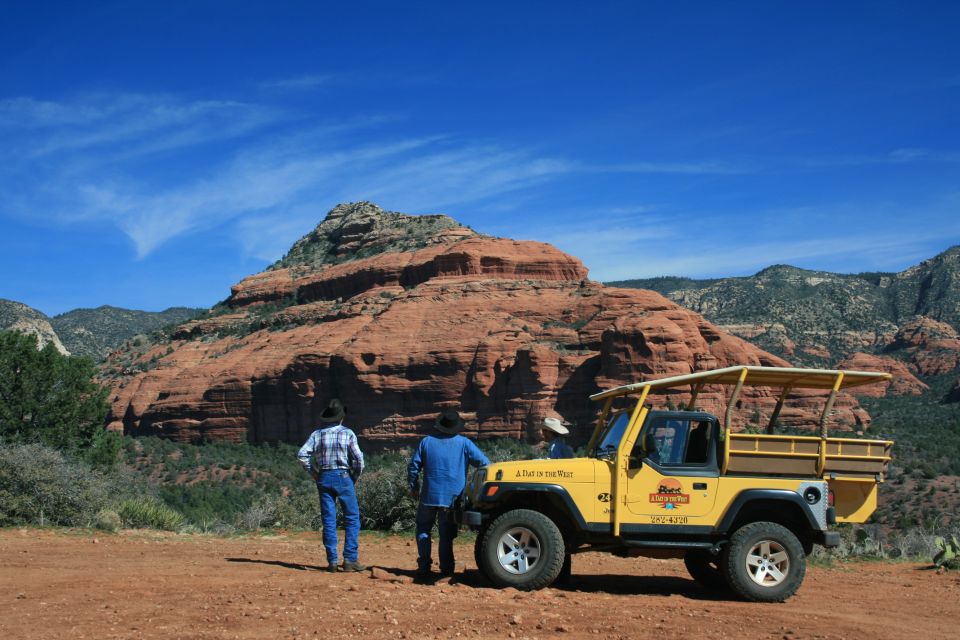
[(449, 421), (334, 412)]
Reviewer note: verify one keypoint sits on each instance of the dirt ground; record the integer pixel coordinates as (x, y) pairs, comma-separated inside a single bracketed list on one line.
[(63, 584)]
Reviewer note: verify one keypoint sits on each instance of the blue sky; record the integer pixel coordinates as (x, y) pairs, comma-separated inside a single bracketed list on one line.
[(152, 154)]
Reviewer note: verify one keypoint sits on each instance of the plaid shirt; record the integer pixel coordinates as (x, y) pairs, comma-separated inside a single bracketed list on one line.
[(333, 448)]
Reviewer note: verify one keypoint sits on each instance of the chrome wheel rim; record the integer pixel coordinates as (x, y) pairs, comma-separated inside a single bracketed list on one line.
[(518, 550), (768, 563)]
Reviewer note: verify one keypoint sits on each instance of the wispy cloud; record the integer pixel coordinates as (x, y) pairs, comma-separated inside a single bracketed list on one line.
[(264, 180), (352, 78), (158, 167), (124, 125), (900, 156), (743, 243), (306, 81), (673, 167)]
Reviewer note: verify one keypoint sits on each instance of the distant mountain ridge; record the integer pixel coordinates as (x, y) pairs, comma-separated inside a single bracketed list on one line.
[(96, 332), (818, 318), (89, 332)]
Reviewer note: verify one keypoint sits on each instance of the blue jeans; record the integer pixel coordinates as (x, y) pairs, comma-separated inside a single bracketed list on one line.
[(426, 516), (333, 486)]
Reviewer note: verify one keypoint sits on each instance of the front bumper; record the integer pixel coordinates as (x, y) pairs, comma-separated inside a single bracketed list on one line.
[(472, 519)]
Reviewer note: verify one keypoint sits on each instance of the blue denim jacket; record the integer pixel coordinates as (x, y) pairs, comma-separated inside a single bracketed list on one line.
[(559, 449), (443, 459)]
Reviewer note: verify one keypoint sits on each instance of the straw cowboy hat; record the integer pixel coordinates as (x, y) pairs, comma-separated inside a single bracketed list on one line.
[(334, 412), (449, 421), (555, 425)]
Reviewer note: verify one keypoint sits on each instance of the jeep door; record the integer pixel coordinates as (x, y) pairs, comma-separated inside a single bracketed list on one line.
[(673, 470)]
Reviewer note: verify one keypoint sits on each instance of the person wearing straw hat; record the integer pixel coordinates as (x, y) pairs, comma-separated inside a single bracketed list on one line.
[(333, 458), (443, 459), (554, 431)]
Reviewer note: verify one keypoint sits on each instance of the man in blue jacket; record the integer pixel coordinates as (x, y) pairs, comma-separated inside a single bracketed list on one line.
[(443, 458)]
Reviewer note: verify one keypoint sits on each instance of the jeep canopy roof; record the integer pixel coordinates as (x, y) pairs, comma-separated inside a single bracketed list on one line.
[(754, 376)]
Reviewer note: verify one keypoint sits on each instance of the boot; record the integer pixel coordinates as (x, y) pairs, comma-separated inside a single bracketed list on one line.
[(353, 565)]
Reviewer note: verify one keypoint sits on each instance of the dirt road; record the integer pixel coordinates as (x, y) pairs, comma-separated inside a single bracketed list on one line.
[(61, 584)]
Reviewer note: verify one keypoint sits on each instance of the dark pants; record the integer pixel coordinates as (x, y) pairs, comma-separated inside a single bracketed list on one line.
[(426, 517), (333, 486)]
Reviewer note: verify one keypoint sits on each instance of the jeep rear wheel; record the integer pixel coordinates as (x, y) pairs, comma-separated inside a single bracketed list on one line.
[(764, 562), (704, 567), (522, 549)]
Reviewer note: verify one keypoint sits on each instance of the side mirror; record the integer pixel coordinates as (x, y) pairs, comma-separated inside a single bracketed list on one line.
[(634, 462)]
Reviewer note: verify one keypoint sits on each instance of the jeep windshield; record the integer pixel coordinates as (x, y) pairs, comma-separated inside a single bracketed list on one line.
[(612, 433)]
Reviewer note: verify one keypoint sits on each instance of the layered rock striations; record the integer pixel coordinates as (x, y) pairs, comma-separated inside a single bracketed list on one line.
[(399, 316)]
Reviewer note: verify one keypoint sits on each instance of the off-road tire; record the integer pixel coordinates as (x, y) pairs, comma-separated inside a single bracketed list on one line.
[(478, 545), (704, 567), (566, 571), (765, 544), (534, 562)]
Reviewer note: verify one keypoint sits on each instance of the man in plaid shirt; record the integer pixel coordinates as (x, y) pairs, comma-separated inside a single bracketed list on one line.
[(333, 458)]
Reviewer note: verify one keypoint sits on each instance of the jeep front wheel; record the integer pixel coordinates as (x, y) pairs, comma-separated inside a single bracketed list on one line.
[(522, 549), (478, 547), (764, 562)]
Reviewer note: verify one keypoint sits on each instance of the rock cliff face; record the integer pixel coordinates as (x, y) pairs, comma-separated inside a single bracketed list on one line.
[(933, 347), (399, 316), (904, 383)]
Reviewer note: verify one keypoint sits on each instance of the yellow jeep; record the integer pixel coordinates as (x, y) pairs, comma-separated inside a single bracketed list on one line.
[(742, 509)]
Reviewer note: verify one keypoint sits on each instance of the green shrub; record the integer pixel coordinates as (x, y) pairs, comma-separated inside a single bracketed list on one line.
[(41, 486), (873, 541), (384, 496), (296, 511), (105, 448), (149, 513), (107, 520), (948, 552), (503, 449)]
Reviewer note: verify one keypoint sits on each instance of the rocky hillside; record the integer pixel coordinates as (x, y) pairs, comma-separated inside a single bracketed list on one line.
[(16, 316), (358, 230), (97, 332), (401, 315), (905, 322)]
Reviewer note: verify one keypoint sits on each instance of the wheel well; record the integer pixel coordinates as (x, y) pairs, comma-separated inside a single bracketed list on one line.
[(782, 512), (550, 505)]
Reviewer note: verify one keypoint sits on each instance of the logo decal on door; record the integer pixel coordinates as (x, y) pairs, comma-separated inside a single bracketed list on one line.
[(670, 494)]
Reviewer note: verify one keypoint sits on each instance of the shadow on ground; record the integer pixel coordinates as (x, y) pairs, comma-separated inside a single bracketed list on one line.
[(612, 584), (280, 563)]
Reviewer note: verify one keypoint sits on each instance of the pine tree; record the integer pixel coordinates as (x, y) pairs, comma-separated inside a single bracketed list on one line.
[(48, 397)]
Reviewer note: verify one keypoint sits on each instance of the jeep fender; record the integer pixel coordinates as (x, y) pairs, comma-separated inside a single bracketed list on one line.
[(745, 498), (512, 490)]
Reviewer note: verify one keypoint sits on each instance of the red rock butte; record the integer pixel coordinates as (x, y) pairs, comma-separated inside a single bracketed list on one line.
[(400, 316)]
